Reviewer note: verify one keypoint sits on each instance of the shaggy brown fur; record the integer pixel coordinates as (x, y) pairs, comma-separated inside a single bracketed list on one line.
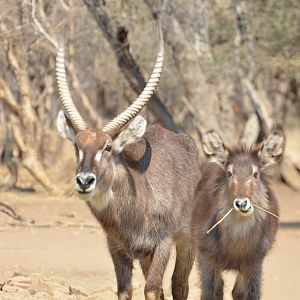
[(143, 200), (240, 242)]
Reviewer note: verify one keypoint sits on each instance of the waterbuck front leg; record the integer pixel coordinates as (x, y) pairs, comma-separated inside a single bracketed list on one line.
[(123, 267), (145, 265), (212, 283), (185, 256), (157, 269), (247, 285)]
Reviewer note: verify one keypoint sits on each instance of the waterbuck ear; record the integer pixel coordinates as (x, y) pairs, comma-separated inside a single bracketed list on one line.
[(214, 148), (64, 127), (130, 134), (272, 150)]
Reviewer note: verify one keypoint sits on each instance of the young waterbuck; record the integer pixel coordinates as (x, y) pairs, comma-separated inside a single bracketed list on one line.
[(234, 185), (139, 183)]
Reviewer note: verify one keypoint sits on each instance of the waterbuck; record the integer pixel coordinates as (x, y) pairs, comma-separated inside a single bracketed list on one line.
[(139, 183), (234, 219)]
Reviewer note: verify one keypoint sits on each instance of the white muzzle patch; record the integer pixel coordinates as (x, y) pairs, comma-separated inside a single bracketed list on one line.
[(85, 182), (243, 206)]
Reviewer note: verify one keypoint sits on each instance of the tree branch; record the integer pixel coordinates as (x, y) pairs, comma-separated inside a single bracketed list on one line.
[(38, 26), (117, 38), (8, 210), (7, 97)]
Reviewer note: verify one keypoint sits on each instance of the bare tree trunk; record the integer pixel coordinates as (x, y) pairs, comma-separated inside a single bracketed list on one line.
[(30, 160), (262, 105), (24, 124), (84, 100), (279, 97), (7, 157), (210, 108), (117, 38)]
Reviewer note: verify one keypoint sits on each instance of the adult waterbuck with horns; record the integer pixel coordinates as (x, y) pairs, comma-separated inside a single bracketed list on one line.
[(139, 183), (235, 217)]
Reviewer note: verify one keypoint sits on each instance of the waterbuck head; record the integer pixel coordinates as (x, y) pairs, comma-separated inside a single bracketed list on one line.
[(243, 170), (95, 150)]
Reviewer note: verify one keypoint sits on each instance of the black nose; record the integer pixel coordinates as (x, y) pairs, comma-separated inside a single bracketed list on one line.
[(84, 181), (241, 204)]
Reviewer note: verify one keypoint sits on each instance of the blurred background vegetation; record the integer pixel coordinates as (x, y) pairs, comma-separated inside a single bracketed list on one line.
[(231, 65)]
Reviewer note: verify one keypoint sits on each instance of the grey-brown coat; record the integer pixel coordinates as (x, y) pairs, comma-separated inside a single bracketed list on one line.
[(235, 179), (140, 187), (138, 183)]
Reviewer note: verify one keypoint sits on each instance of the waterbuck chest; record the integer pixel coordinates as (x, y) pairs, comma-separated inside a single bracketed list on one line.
[(133, 229), (152, 191), (139, 221), (236, 245)]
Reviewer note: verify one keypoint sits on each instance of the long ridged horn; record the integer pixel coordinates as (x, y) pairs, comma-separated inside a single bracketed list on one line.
[(116, 125), (63, 89)]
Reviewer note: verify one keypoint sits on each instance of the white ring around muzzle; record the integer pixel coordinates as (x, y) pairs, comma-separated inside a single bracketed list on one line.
[(243, 205)]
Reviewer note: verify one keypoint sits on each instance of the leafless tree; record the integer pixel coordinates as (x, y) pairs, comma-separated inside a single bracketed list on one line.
[(216, 74)]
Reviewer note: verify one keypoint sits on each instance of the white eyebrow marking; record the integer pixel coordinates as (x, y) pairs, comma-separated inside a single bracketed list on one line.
[(80, 154), (99, 153)]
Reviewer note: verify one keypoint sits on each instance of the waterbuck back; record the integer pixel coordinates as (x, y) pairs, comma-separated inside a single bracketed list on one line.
[(234, 190)]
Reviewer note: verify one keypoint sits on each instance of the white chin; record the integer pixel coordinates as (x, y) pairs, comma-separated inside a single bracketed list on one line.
[(102, 201), (85, 195)]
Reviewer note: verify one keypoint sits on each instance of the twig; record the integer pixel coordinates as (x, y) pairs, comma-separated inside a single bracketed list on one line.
[(265, 210), (39, 27), (227, 214), (76, 292), (6, 209)]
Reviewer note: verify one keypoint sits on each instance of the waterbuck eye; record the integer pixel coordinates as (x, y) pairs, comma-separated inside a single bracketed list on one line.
[(255, 174), (229, 173), (108, 147)]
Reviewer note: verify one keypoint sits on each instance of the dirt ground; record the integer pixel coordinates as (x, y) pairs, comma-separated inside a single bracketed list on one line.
[(63, 254)]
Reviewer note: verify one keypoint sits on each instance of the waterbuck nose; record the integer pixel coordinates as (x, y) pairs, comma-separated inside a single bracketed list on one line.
[(86, 181), (242, 205)]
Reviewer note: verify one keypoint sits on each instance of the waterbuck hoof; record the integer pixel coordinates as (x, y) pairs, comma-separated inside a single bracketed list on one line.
[(151, 296)]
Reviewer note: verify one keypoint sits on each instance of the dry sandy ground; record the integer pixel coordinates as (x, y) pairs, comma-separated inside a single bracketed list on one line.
[(63, 255)]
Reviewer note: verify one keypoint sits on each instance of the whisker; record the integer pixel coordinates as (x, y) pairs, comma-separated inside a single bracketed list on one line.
[(265, 210), (220, 221)]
